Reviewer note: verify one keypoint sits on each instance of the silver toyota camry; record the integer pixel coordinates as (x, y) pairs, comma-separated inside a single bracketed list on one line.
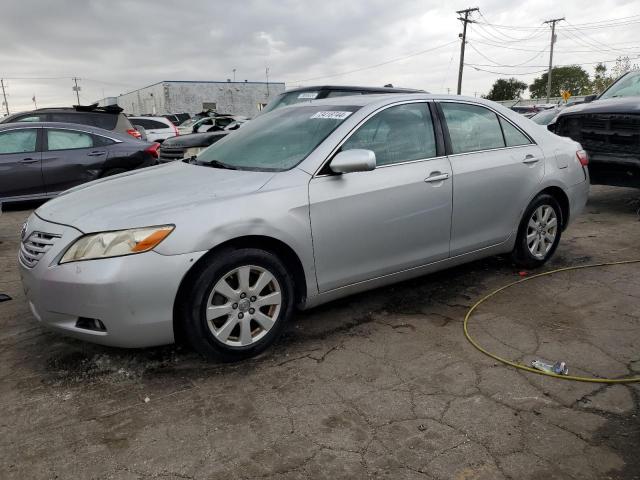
[(301, 206)]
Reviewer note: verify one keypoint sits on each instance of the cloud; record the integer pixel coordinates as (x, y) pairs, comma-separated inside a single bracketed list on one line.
[(119, 45)]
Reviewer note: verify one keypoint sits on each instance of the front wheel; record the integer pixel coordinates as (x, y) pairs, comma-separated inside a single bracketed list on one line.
[(238, 304), (539, 232)]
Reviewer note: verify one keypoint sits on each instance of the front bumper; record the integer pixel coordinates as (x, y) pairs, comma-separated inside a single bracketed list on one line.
[(133, 296), (617, 170)]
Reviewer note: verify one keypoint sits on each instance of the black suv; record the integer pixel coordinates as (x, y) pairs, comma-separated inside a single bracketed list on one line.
[(108, 118), (608, 128), (306, 94)]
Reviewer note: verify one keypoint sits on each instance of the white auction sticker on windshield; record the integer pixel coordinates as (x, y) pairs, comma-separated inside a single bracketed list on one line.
[(309, 95), (332, 115)]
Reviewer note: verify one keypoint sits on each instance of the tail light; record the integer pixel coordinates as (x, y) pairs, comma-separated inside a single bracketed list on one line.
[(153, 150), (583, 158), (134, 133), (175, 130)]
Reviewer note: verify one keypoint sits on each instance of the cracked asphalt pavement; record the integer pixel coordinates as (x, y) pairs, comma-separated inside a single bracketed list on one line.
[(379, 385)]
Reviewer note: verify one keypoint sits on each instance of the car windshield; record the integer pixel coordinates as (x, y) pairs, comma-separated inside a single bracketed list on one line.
[(545, 117), (277, 141), (290, 98), (627, 86)]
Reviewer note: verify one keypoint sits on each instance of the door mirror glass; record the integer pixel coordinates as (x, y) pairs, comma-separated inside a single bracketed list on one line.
[(355, 160)]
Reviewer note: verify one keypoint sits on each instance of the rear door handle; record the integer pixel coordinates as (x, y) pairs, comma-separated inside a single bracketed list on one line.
[(29, 160), (530, 160), (96, 154), (436, 177)]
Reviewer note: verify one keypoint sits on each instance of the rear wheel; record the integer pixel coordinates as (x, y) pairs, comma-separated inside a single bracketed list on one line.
[(539, 232), (238, 304)]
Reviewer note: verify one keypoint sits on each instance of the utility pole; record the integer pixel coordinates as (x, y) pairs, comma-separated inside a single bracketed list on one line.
[(76, 89), (553, 40), (4, 95), (464, 21), (234, 75)]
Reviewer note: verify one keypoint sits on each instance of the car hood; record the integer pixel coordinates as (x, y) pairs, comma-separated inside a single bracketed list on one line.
[(610, 105), (192, 140), (152, 196)]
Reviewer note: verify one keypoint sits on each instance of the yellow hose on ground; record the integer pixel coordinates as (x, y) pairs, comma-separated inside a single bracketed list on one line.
[(525, 367)]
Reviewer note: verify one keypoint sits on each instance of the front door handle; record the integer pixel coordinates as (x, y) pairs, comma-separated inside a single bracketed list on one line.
[(530, 160), (96, 154), (436, 177), (29, 160)]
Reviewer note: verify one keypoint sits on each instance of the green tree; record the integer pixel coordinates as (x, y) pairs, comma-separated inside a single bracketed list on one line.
[(506, 89), (601, 79), (572, 78)]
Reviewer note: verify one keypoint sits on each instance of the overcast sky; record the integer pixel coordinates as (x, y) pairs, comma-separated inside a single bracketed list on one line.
[(116, 46)]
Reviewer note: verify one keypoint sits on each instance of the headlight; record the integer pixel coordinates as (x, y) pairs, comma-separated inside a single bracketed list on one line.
[(192, 152), (117, 243)]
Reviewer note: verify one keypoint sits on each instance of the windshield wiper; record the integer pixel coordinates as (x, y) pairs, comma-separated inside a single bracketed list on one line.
[(219, 164)]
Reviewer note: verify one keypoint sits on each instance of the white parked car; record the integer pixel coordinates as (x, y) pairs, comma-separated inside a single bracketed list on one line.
[(157, 129)]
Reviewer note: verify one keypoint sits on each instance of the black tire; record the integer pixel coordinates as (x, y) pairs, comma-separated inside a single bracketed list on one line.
[(522, 255), (195, 327), (113, 171)]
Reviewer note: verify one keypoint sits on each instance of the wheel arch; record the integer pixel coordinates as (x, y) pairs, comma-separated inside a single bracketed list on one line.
[(563, 199), (279, 248)]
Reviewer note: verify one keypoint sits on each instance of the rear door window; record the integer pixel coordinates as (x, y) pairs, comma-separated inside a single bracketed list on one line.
[(68, 139), (18, 141), (472, 128)]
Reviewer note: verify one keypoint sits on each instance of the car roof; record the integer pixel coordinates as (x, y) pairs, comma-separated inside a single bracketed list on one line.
[(349, 88), (362, 100), (69, 126)]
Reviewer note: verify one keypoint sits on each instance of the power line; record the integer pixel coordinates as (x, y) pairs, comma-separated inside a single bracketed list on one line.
[(422, 52), (476, 66), (505, 73), (582, 26), (503, 65), (593, 43), (540, 31), (531, 49)]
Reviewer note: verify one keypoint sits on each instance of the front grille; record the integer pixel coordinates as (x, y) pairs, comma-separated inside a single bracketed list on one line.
[(35, 246), (603, 132), (169, 154)]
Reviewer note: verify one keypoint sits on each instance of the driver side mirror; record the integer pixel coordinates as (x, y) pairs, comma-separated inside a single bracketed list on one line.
[(356, 160), (590, 98)]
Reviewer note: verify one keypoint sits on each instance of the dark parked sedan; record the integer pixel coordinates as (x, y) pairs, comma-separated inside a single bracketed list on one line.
[(42, 159)]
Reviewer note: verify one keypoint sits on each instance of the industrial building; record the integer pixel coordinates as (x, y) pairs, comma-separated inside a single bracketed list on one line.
[(169, 96)]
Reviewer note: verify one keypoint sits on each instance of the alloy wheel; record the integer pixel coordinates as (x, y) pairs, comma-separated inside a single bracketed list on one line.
[(542, 230), (243, 305)]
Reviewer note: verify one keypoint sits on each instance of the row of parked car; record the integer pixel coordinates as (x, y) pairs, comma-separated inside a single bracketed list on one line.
[(45, 151)]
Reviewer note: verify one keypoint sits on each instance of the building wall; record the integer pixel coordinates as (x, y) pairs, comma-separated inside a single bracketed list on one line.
[(239, 98), (147, 100)]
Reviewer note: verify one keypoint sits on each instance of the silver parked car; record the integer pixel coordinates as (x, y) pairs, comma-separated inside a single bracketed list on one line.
[(303, 205)]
